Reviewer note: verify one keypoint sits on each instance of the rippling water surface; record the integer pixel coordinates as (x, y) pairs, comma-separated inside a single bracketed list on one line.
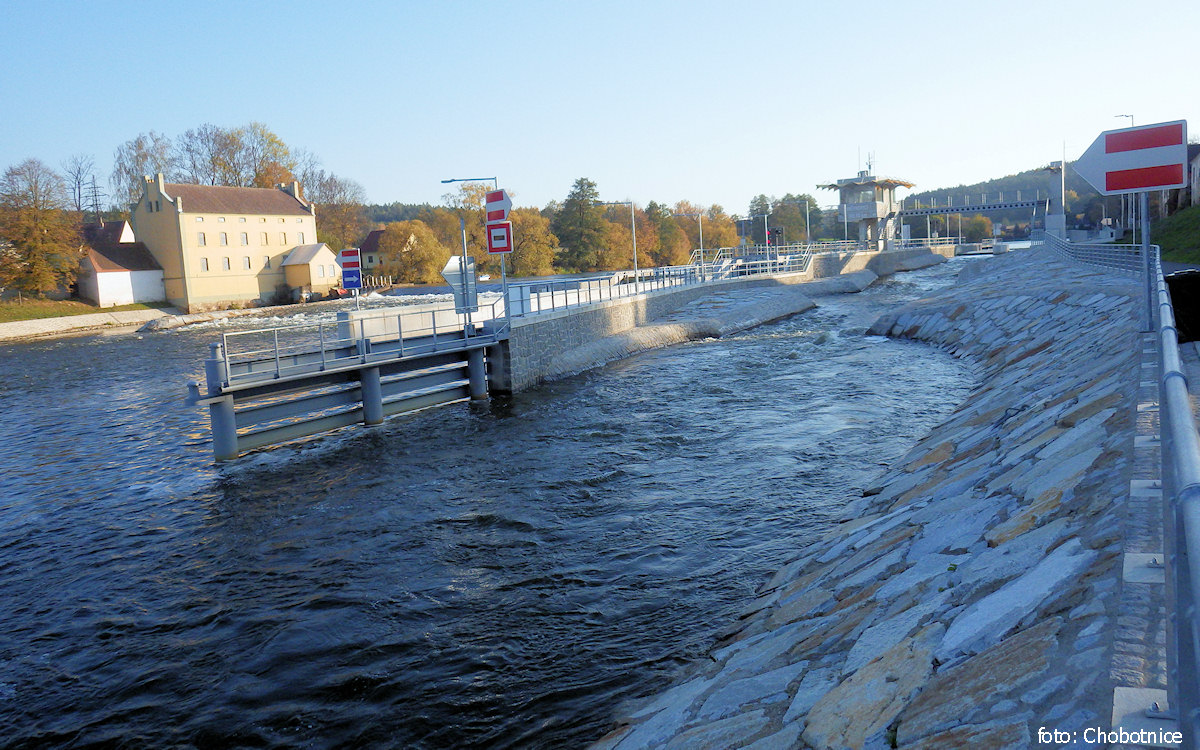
[(504, 576)]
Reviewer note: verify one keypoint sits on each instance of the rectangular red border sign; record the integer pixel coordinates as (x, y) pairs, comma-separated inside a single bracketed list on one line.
[(499, 238)]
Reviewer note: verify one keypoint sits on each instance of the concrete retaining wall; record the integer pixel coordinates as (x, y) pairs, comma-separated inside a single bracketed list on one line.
[(974, 594), (552, 345)]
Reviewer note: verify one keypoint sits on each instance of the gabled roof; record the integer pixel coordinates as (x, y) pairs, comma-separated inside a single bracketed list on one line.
[(371, 243), (304, 254), (107, 252), (216, 199)]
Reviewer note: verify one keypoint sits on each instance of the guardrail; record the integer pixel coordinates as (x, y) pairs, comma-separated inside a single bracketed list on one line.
[(333, 343), (530, 298), (1180, 448), (1127, 259), (1180, 479)]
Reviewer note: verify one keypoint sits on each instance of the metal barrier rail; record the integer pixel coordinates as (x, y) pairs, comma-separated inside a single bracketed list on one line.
[(1124, 258), (1180, 447), (332, 343), (529, 298), (1180, 479), (926, 242)]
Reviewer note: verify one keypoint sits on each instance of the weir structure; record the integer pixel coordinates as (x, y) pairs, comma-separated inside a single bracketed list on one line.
[(273, 385)]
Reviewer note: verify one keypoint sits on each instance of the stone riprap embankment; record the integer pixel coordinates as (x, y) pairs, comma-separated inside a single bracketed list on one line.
[(970, 597)]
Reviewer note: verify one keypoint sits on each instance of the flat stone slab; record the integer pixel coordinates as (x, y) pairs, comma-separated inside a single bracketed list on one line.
[(1129, 714), (1143, 567)]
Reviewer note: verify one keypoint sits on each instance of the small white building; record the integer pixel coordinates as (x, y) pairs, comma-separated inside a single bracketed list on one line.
[(312, 269), (117, 269)]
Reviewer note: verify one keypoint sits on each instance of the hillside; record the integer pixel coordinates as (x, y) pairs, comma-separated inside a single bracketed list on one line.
[(1179, 236)]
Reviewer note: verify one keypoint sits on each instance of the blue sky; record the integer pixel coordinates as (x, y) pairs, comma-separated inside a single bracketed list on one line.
[(704, 101)]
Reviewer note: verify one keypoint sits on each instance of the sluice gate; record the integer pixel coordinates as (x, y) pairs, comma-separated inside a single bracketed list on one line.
[(270, 386)]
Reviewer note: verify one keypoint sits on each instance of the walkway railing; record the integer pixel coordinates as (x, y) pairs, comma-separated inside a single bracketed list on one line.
[(1180, 479), (1124, 258), (346, 341), (529, 298), (1180, 447)]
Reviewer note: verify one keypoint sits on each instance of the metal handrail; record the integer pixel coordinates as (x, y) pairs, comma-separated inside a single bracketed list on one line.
[(1180, 447), (1180, 477), (313, 338), (1127, 259)]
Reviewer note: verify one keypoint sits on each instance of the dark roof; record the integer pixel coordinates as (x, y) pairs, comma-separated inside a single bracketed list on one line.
[(215, 199), (371, 243), (1193, 151), (108, 253)]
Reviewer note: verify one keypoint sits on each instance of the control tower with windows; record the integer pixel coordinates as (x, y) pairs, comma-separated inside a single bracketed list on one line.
[(871, 203)]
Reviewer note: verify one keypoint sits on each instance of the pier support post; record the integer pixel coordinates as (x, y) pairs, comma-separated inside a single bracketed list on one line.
[(372, 395), (477, 372), (220, 413)]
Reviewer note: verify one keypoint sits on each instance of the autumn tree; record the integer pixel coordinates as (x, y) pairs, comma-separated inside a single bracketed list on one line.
[(580, 227), (976, 228), (208, 155), (410, 253), (39, 241), (341, 219), (672, 248), (264, 159), (147, 154), (534, 245), (719, 228)]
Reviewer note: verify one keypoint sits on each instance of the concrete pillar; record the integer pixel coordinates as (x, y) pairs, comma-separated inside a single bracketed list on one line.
[(477, 372), (220, 413), (372, 395)]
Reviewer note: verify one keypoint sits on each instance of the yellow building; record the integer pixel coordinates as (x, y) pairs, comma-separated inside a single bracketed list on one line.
[(224, 247)]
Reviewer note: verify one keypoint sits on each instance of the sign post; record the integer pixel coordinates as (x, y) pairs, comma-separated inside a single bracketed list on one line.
[(499, 231), (1138, 160), (349, 260)]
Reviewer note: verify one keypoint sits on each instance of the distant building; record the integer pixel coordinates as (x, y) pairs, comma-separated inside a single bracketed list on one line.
[(116, 269), (369, 251), (223, 246), (312, 269), (871, 204)]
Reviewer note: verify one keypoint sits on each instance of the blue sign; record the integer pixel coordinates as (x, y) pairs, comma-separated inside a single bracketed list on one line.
[(352, 278)]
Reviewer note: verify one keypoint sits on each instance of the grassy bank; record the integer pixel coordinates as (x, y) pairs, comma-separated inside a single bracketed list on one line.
[(1179, 236), (32, 309)]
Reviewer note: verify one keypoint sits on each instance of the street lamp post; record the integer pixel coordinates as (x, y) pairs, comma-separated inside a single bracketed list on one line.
[(463, 227), (633, 231), (1132, 202)]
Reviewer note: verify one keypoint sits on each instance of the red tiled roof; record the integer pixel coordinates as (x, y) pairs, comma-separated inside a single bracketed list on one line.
[(215, 199), (371, 243), (107, 253)]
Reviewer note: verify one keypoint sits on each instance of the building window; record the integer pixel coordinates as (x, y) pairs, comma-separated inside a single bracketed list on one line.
[(370, 260), (204, 264), (241, 219), (245, 262), (266, 261), (320, 271), (224, 238), (282, 220), (225, 263), (332, 271), (283, 238), (220, 219), (263, 240), (200, 239), (300, 238), (263, 220), (245, 238), (157, 206), (199, 218)]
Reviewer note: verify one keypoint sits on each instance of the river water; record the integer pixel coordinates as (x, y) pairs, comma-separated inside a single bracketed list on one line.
[(498, 576)]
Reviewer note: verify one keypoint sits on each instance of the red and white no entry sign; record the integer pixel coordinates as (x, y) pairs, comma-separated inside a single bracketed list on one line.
[(1133, 160), (500, 237)]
